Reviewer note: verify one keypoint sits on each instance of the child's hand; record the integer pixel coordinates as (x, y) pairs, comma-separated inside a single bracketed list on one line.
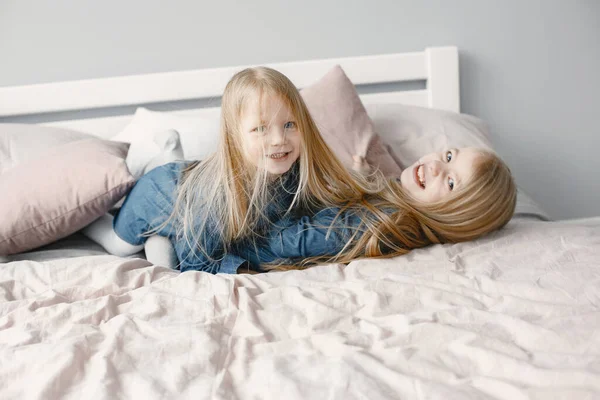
[(361, 165)]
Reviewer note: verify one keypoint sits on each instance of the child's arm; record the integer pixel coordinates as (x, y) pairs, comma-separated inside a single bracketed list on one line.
[(192, 259), (312, 236)]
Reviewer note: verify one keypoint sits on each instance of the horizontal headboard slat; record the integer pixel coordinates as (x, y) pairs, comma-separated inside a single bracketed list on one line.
[(437, 66)]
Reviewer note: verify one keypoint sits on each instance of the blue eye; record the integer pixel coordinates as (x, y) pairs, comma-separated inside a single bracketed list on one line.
[(259, 129), (448, 156), (451, 183), (289, 125)]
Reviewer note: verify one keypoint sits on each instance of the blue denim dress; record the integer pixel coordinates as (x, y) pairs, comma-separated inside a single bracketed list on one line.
[(297, 237), (151, 202), (290, 239)]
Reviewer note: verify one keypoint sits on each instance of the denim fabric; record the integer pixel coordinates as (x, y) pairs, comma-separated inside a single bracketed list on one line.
[(149, 204), (297, 237), (151, 201)]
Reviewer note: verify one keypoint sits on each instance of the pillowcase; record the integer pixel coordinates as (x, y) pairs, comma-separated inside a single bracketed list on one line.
[(332, 102), (344, 123), (411, 132), (22, 142), (60, 192), (198, 135), (528, 208)]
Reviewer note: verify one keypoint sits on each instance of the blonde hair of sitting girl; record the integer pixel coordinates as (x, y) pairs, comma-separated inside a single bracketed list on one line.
[(234, 188), (486, 203)]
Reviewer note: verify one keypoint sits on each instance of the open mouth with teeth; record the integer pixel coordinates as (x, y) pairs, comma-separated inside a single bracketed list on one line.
[(278, 156), (419, 175)]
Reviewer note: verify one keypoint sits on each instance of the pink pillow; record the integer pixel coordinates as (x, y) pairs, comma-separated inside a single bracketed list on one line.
[(60, 192), (20, 143), (412, 132), (344, 123)]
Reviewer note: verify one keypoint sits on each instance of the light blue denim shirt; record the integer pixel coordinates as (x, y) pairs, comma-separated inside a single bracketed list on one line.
[(295, 238), (151, 201)]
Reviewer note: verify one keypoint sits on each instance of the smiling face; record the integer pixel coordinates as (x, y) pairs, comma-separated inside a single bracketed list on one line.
[(436, 176), (270, 134)]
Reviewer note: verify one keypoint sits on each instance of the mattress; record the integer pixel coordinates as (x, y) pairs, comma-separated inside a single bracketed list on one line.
[(513, 315)]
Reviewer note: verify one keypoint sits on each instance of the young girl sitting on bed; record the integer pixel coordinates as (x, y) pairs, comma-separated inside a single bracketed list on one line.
[(274, 195), (270, 158)]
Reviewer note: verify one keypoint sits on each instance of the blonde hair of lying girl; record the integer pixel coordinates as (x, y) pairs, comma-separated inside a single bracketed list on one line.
[(452, 196)]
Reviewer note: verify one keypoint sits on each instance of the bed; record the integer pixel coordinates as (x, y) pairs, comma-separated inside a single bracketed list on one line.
[(513, 315)]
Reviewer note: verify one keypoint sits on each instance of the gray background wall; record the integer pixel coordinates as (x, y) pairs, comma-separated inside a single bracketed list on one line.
[(528, 67)]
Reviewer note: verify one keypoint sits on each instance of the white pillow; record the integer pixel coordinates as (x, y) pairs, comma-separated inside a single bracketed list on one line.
[(198, 134), (412, 132), (23, 142), (528, 208)]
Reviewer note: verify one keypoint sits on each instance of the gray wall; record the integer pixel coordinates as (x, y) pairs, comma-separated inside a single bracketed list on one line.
[(530, 68)]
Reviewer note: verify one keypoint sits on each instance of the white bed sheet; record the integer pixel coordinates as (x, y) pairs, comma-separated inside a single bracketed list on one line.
[(75, 245), (512, 316)]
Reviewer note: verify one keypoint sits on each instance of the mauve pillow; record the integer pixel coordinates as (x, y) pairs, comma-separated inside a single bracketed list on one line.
[(22, 142), (60, 192), (344, 123)]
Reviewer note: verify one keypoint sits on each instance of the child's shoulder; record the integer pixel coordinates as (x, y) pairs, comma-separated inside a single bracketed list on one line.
[(167, 173)]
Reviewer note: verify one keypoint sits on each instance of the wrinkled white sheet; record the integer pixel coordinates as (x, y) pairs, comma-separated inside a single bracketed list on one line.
[(512, 316)]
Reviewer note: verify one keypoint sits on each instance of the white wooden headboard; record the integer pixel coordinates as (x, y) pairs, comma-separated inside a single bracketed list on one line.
[(437, 66)]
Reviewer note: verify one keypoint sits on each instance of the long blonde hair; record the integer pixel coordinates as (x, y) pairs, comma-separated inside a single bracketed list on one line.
[(227, 190), (485, 204)]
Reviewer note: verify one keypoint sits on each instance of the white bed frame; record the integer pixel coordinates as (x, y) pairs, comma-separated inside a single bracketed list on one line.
[(437, 66)]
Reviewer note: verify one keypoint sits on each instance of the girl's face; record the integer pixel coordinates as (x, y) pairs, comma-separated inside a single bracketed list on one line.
[(270, 134), (435, 176)]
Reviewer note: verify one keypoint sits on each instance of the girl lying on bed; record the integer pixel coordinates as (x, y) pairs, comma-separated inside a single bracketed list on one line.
[(274, 196)]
